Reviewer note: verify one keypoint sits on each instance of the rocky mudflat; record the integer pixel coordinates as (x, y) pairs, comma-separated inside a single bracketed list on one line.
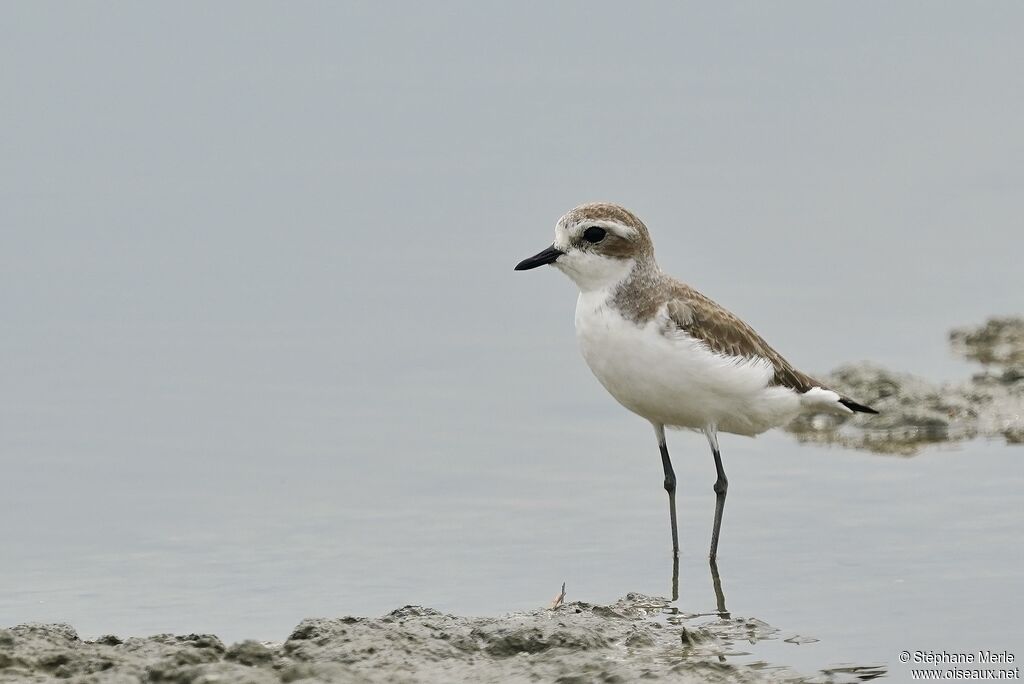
[(637, 638), (915, 412)]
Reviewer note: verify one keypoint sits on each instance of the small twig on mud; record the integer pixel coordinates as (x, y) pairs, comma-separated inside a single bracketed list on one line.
[(558, 599)]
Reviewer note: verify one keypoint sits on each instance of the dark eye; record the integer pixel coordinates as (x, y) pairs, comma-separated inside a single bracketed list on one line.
[(594, 234)]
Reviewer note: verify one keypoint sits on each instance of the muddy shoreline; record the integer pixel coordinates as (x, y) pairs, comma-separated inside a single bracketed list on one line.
[(638, 637)]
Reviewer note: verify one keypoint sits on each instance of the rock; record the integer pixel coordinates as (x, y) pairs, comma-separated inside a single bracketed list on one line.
[(637, 638), (914, 412), (249, 652), (999, 341)]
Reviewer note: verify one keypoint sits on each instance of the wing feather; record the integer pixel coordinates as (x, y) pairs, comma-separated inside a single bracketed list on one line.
[(723, 332)]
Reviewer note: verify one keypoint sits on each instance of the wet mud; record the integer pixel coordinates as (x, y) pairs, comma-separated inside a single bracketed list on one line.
[(915, 412), (637, 638)]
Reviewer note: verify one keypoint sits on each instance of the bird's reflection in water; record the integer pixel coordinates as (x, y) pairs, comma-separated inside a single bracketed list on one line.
[(719, 640), (716, 582)]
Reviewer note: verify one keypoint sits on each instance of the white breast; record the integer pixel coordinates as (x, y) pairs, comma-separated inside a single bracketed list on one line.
[(674, 379)]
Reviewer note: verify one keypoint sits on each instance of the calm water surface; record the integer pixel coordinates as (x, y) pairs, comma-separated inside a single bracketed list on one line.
[(274, 480)]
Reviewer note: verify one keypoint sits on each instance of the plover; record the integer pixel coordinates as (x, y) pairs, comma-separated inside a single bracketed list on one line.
[(667, 352)]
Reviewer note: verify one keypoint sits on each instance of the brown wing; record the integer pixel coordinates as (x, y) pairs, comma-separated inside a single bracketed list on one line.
[(726, 334)]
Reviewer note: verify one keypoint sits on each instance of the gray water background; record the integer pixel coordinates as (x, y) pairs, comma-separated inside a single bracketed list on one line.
[(263, 355)]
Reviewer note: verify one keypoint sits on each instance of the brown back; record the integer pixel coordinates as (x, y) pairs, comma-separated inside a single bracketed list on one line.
[(724, 333)]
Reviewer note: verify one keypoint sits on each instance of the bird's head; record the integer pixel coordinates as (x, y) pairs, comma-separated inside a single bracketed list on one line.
[(597, 245)]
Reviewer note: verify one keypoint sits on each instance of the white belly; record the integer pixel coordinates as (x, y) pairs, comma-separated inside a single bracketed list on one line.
[(674, 379)]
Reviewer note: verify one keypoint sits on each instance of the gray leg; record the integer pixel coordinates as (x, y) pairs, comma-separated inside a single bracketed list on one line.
[(721, 488), (670, 484)]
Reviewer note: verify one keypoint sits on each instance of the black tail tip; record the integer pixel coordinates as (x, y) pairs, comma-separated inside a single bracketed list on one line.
[(854, 406)]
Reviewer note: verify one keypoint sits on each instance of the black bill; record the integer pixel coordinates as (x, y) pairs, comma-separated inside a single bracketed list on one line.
[(548, 256)]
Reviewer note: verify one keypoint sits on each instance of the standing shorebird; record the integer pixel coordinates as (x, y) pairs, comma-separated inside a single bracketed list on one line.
[(668, 353)]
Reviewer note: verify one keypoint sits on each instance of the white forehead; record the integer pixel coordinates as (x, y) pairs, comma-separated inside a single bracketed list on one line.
[(570, 224)]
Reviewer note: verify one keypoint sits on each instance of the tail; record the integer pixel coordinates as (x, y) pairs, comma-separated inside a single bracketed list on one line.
[(854, 406), (820, 399)]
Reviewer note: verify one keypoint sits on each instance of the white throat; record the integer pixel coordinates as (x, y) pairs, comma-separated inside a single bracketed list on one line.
[(591, 272)]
